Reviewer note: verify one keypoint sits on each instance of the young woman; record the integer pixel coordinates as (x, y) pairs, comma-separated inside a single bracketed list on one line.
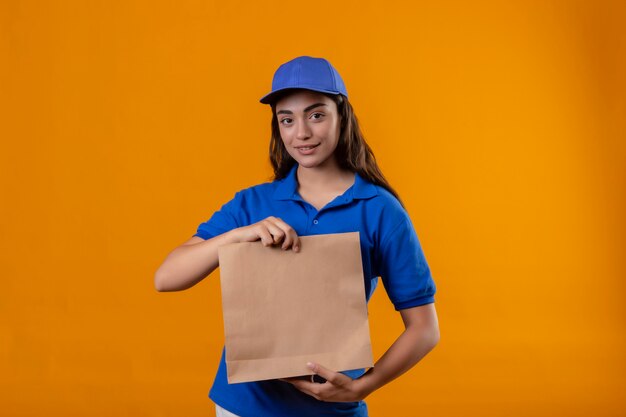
[(326, 181)]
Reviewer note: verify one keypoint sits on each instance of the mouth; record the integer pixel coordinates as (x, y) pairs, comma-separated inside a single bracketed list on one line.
[(307, 148)]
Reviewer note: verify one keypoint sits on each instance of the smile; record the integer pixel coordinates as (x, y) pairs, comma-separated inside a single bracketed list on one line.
[(306, 150)]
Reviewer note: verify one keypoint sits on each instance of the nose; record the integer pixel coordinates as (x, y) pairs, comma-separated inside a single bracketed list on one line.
[(303, 131)]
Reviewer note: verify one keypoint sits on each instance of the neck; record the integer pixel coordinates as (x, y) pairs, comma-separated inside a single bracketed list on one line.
[(320, 178)]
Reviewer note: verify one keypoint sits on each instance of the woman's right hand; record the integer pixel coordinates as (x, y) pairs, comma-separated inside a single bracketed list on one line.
[(271, 231)]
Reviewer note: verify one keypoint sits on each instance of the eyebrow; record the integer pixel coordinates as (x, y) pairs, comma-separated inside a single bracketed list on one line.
[(312, 106)]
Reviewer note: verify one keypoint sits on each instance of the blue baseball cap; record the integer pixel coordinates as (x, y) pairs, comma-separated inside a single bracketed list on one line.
[(306, 72)]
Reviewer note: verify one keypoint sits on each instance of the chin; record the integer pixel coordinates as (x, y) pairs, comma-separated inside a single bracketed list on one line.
[(307, 164), (313, 164), (316, 161)]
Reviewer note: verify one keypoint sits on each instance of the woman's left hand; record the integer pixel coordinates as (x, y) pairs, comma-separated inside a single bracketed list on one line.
[(337, 388)]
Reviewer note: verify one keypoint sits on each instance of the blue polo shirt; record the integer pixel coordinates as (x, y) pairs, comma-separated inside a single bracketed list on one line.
[(390, 249)]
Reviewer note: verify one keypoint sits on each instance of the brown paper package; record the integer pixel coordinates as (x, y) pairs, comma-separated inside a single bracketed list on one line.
[(283, 309)]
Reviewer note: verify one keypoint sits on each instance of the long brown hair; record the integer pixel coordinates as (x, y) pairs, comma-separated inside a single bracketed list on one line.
[(352, 152)]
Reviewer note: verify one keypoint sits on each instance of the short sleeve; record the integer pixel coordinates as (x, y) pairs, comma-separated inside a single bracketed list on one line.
[(403, 268), (221, 221)]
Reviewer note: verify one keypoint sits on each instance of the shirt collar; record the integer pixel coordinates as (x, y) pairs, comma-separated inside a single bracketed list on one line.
[(286, 189)]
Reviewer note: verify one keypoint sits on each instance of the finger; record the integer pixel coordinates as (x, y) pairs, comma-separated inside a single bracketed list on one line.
[(264, 234), (289, 379), (275, 229), (285, 230), (335, 378), (308, 388), (277, 233), (297, 245), (291, 237)]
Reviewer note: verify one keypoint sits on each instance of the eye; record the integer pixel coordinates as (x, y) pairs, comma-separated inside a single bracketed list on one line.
[(286, 118), (319, 114)]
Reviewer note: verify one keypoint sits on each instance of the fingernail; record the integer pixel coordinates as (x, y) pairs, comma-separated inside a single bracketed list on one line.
[(310, 365)]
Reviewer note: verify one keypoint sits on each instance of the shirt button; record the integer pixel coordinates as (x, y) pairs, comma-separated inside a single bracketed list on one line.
[(315, 221)]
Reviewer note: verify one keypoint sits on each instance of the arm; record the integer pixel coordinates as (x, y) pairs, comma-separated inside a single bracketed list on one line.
[(195, 259), (420, 336), (190, 263)]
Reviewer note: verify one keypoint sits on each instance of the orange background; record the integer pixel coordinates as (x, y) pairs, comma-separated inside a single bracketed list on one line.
[(125, 124)]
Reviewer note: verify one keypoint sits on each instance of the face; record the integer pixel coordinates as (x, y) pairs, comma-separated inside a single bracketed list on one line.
[(309, 127)]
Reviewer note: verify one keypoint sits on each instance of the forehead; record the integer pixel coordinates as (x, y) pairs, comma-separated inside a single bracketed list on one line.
[(300, 99)]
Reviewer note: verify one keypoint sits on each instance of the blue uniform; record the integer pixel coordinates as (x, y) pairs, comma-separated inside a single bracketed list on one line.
[(390, 249)]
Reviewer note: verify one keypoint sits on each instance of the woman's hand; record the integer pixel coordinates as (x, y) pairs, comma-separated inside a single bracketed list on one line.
[(419, 337), (271, 231), (337, 388)]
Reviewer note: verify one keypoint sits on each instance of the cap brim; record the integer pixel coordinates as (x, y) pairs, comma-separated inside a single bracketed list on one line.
[(271, 97)]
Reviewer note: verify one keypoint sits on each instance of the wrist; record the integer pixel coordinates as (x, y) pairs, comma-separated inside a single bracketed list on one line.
[(364, 385), (232, 236)]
